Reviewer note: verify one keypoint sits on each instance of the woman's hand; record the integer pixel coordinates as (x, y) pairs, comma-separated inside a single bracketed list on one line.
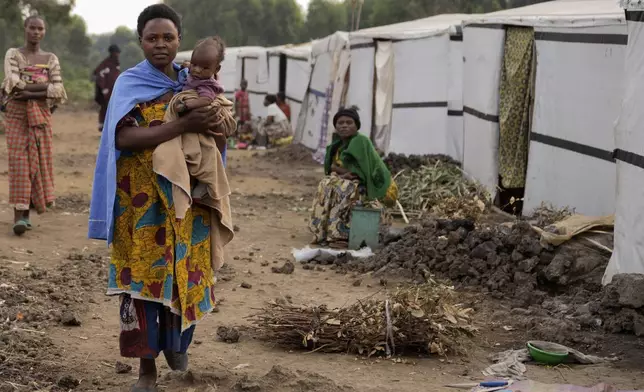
[(349, 176), (23, 95), (200, 120)]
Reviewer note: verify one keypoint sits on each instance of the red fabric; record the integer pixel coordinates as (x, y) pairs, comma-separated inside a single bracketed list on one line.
[(30, 154), (243, 105), (286, 109)]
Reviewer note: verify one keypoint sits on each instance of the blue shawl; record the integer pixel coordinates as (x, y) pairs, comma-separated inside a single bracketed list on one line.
[(140, 84)]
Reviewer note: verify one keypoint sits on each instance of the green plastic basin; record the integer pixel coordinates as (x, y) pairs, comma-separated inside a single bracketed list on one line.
[(547, 353)]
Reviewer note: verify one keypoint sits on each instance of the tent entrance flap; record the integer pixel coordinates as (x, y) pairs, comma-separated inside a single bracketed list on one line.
[(384, 93), (515, 96)]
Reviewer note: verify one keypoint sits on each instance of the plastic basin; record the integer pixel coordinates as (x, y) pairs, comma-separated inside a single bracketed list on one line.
[(547, 353)]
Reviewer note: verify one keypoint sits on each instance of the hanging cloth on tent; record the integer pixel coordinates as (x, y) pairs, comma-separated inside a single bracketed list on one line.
[(514, 106)]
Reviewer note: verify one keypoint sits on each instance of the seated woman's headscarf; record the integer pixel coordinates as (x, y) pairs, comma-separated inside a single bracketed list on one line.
[(351, 112)]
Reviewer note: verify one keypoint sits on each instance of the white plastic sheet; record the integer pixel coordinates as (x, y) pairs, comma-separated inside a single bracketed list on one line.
[(298, 73), (360, 91), (308, 253), (483, 52), (385, 74), (561, 13), (420, 96), (577, 99), (454, 147), (628, 254)]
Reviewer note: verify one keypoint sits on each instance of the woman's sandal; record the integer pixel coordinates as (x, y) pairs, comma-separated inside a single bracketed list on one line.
[(20, 227)]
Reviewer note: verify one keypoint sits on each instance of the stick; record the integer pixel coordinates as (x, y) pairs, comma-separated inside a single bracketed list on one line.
[(29, 330), (597, 244), (402, 211), (505, 214)]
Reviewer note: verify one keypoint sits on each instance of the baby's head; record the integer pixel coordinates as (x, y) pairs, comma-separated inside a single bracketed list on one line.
[(207, 57)]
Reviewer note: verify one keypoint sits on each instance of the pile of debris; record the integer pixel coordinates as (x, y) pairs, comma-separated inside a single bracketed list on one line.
[(622, 304), (401, 162), (292, 153), (414, 319), (442, 190)]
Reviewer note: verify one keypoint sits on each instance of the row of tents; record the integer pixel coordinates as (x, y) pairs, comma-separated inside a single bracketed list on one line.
[(550, 89)]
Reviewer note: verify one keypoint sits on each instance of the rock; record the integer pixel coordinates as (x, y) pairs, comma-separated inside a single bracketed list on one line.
[(70, 319), (393, 234), (228, 334), (265, 264), (638, 324), (529, 265), (481, 251), (325, 259), (68, 382), (357, 283), (236, 228), (630, 288), (122, 368), (246, 285), (287, 269), (517, 256)]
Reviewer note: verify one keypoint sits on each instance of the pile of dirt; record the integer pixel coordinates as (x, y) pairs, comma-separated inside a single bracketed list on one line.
[(399, 162), (33, 299), (551, 290), (292, 153), (621, 306), (503, 260)]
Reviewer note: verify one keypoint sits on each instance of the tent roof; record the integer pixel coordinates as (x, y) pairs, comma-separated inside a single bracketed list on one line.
[(230, 52), (419, 28), (632, 4), (558, 13), (332, 43), (298, 51)]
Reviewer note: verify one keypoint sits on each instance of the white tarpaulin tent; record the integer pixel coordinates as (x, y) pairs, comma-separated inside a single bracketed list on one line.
[(580, 49), (628, 254), (290, 70), (228, 73), (252, 65), (418, 85), (329, 62)]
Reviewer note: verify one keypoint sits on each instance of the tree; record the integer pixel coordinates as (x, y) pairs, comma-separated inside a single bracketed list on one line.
[(325, 16)]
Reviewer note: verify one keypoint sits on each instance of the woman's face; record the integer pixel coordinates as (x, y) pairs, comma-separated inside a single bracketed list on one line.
[(160, 42), (35, 31), (346, 127)]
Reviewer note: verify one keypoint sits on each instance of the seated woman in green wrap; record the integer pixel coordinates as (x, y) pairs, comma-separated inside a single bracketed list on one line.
[(355, 176)]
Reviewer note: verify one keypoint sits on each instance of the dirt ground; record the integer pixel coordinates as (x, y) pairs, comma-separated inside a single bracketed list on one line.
[(53, 279)]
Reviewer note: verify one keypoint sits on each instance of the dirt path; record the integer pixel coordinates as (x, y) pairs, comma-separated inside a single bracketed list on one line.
[(270, 201)]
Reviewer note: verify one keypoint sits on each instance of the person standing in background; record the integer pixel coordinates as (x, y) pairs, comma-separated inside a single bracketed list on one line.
[(105, 76), (33, 86), (283, 105), (242, 104)]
